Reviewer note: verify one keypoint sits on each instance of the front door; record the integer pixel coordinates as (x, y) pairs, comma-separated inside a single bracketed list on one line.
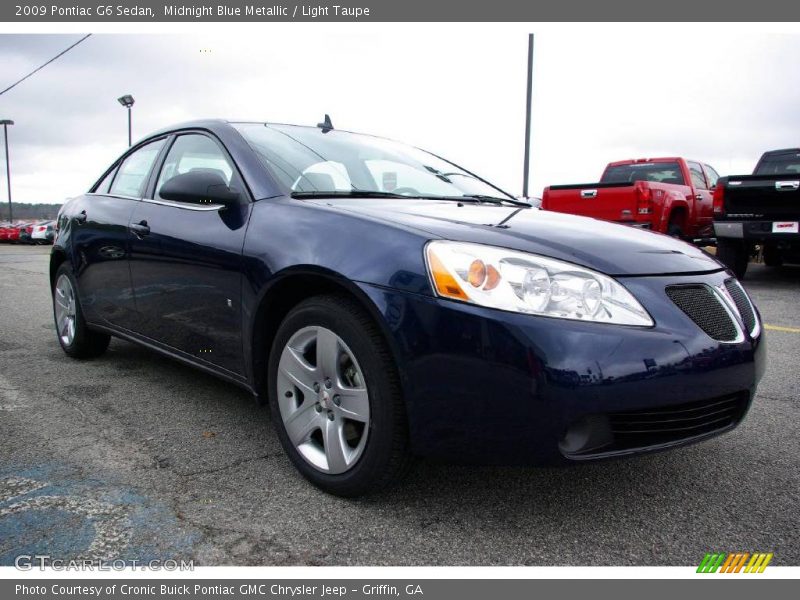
[(186, 261)]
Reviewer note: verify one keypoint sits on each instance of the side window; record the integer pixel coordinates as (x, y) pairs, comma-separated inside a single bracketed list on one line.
[(191, 152), (698, 179), (102, 188), (132, 173), (712, 175)]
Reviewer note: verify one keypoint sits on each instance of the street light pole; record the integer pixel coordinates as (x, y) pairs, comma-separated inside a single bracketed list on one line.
[(6, 123), (528, 119), (127, 101)]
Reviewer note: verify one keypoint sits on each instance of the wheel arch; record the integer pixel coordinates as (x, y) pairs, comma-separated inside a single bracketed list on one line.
[(678, 213), (57, 257), (285, 291)]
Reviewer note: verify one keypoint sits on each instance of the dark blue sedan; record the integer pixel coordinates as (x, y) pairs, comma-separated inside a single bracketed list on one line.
[(387, 303)]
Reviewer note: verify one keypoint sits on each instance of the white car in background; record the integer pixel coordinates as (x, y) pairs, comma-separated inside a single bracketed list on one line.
[(43, 232)]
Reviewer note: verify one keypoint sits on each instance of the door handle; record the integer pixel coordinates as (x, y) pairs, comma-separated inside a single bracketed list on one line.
[(80, 218), (141, 229), (787, 186), (588, 193)]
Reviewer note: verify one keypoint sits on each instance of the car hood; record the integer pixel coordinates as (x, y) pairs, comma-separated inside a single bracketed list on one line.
[(606, 247)]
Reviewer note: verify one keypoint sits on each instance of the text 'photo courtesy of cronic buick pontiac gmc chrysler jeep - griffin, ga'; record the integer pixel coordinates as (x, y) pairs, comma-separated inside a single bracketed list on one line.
[(389, 304)]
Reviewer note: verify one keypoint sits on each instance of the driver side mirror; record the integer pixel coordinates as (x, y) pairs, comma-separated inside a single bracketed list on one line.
[(199, 186)]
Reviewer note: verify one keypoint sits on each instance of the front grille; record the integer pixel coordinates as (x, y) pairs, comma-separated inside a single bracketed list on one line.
[(704, 307), (742, 303), (672, 423), (651, 428)]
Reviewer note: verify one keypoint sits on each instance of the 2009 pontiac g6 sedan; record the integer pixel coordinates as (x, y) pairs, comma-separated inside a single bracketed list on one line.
[(387, 303)]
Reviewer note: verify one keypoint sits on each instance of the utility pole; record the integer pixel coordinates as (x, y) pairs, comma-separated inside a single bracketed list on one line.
[(5, 123), (528, 119)]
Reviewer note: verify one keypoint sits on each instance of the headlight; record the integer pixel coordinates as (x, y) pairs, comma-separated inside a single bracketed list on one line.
[(528, 283)]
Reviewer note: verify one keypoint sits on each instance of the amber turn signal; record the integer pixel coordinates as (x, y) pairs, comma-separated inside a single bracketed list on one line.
[(446, 284)]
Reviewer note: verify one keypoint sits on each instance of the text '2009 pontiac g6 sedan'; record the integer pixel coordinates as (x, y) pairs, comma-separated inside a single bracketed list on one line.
[(387, 303)]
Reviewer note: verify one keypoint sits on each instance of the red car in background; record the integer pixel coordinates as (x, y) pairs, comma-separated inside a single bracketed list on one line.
[(13, 233), (669, 195)]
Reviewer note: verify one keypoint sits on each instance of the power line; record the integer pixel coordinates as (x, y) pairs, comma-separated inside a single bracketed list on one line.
[(62, 53)]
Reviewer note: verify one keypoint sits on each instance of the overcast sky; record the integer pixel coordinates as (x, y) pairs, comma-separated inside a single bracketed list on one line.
[(719, 98)]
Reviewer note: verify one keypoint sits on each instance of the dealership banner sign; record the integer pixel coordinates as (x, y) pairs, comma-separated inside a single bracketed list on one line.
[(153, 11), (353, 589)]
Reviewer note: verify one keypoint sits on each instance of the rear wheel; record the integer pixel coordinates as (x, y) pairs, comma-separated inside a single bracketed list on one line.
[(74, 335), (675, 230), (734, 254), (335, 398), (772, 257)]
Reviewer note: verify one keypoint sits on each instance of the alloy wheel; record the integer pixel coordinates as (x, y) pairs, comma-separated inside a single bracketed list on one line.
[(323, 400), (65, 310)]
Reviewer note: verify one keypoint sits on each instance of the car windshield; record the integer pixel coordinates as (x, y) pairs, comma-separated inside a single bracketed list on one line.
[(312, 161), (660, 172)]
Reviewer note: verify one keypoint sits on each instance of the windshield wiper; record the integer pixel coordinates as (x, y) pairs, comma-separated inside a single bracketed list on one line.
[(496, 200), (476, 198), (347, 194)]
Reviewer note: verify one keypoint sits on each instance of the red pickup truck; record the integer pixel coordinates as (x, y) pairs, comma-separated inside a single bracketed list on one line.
[(668, 195)]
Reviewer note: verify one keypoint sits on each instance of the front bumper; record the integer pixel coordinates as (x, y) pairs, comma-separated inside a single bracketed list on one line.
[(488, 386)]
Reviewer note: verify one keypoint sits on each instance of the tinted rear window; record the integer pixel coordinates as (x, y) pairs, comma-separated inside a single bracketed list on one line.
[(661, 172), (781, 164)]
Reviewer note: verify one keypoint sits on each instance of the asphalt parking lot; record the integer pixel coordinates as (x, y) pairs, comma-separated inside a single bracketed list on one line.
[(134, 456)]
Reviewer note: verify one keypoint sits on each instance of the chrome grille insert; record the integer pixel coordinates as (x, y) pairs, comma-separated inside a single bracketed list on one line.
[(708, 309)]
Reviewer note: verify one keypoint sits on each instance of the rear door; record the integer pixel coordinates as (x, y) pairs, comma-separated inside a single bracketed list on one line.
[(186, 260), (703, 200), (99, 231)]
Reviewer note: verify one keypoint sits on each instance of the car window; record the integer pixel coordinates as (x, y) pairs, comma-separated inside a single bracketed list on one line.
[(712, 175), (132, 174), (390, 176), (659, 172), (784, 163), (194, 151), (696, 173), (325, 175), (103, 186)]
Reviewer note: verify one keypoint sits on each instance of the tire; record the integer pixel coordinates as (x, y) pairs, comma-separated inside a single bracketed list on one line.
[(378, 444), (772, 257), (674, 230), (733, 254), (74, 335)]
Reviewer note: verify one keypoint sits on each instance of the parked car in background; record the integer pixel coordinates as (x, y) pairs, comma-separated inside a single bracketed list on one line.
[(25, 231), (762, 208), (13, 233), (388, 303), (4, 231), (668, 195), (43, 233)]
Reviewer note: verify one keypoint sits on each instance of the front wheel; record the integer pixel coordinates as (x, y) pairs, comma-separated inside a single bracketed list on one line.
[(335, 398), (74, 335), (734, 254)]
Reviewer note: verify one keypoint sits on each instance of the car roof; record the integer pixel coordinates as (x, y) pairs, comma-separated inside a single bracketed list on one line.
[(783, 151), (216, 125)]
